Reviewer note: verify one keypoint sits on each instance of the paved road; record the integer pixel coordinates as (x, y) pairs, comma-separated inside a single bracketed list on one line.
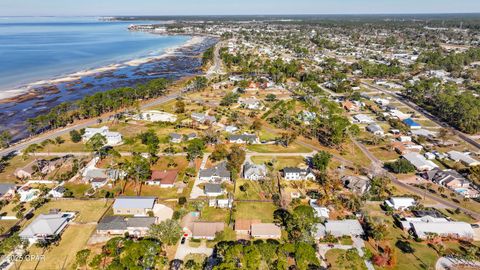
[(426, 114), (217, 67), (84, 124)]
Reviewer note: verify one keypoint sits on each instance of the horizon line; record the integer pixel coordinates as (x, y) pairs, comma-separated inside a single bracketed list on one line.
[(266, 14)]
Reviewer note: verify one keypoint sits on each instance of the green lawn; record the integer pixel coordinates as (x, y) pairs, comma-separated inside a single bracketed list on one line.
[(280, 162), (339, 260), (272, 148), (61, 256), (255, 210), (267, 135), (213, 214), (252, 192), (89, 210)]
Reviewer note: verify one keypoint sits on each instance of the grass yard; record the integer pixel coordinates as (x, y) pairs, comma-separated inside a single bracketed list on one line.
[(252, 192), (255, 210), (74, 239), (267, 135), (280, 162), (6, 176), (272, 148), (67, 146), (213, 214), (89, 210), (338, 259)]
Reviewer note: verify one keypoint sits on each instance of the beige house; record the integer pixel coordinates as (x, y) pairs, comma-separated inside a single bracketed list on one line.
[(135, 206), (266, 231), (206, 230)]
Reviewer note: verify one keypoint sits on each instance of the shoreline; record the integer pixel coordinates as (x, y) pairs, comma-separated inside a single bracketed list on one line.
[(34, 89)]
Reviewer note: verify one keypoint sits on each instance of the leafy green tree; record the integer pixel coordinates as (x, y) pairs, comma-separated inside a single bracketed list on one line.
[(219, 153), (195, 149), (75, 136), (96, 142), (321, 160), (236, 157), (401, 165), (5, 139), (81, 257), (168, 231)]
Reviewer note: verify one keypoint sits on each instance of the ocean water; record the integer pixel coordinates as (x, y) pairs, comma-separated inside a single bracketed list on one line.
[(47, 61), (37, 48)]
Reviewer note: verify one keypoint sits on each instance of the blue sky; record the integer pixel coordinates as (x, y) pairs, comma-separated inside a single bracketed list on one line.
[(215, 7)]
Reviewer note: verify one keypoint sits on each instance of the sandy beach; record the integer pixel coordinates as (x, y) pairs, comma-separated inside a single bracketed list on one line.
[(30, 90)]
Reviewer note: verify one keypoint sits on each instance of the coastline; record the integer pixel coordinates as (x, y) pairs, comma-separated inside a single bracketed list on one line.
[(34, 89), (177, 62)]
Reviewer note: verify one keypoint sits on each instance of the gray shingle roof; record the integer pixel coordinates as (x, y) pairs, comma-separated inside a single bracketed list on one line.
[(220, 170), (45, 224), (134, 202), (4, 188), (213, 188)]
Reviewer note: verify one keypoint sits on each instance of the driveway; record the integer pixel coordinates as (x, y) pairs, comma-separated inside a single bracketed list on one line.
[(162, 212), (197, 191), (185, 249)]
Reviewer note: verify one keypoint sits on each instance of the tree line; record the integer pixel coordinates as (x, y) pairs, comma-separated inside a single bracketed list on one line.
[(96, 105)]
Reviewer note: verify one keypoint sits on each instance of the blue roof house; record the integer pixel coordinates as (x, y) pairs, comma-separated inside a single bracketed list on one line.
[(412, 124)]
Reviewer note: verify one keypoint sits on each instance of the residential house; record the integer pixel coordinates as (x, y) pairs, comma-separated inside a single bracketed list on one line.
[(175, 138), (412, 124), (136, 206), (349, 106), (453, 229), (217, 173), (46, 227), (156, 116), (423, 133), (449, 178), (419, 162), (463, 158), (320, 211), (191, 136), (213, 190), (41, 166), (98, 182), (356, 184), (381, 101), (244, 139), (117, 225), (375, 129), (57, 192), (7, 190), (339, 228), (164, 178), (113, 138), (406, 147), (206, 230), (220, 203), (400, 203), (243, 226), (254, 172), (265, 231), (250, 103), (296, 174), (231, 129), (363, 119), (203, 118)]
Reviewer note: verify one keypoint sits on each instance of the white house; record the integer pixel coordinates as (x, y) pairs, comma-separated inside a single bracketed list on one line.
[(295, 174), (57, 192), (113, 138), (375, 129), (156, 116), (419, 161), (452, 229), (463, 158), (400, 203), (363, 119), (244, 138), (320, 211), (250, 103), (231, 129), (254, 172), (339, 228), (46, 227)]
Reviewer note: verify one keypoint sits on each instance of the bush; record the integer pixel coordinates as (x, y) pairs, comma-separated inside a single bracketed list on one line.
[(401, 166)]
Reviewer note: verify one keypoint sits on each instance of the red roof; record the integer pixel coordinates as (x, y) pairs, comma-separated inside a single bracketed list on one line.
[(165, 177)]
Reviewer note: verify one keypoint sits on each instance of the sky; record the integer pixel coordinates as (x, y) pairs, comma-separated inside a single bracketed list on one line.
[(230, 7)]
